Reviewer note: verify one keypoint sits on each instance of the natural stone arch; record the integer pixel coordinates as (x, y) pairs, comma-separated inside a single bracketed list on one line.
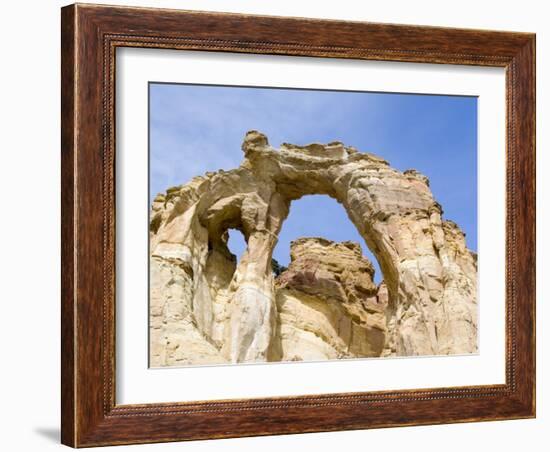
[(429, 273)]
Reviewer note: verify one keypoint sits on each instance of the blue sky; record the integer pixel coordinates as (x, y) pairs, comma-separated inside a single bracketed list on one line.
[(194, 129)]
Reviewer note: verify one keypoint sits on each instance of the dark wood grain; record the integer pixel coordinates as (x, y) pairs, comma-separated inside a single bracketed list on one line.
[(68, 388), (90, 36)]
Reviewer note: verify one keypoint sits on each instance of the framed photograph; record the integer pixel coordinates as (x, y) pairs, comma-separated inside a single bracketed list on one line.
[(282, 225)]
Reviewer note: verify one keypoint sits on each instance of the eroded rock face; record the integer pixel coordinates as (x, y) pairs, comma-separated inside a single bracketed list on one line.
[(208, 308), (327, 303)]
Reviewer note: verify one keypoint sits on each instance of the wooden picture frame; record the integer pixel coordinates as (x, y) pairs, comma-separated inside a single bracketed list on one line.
[(90, 36)]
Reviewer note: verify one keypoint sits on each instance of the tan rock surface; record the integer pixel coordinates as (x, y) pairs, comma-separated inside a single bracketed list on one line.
[(327, 303), (207, 308)]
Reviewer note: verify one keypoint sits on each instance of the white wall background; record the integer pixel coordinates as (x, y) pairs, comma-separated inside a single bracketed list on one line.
[(29, 227)]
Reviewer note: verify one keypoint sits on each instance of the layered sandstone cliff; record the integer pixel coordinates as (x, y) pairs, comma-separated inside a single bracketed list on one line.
[(327, 304), (205, 307)]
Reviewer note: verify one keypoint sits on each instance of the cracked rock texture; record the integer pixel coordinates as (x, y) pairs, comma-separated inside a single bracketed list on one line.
[(327, 304), (207, 308)]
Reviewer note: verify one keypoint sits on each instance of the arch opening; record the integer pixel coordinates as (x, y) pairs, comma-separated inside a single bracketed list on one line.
[(236, 243), (320, 215)]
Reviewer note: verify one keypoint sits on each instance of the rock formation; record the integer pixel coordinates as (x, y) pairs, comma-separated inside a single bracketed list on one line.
[(205, 307), (327, 304)]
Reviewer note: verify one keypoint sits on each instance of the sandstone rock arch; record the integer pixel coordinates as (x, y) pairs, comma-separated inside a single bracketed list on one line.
[(231, 311)]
